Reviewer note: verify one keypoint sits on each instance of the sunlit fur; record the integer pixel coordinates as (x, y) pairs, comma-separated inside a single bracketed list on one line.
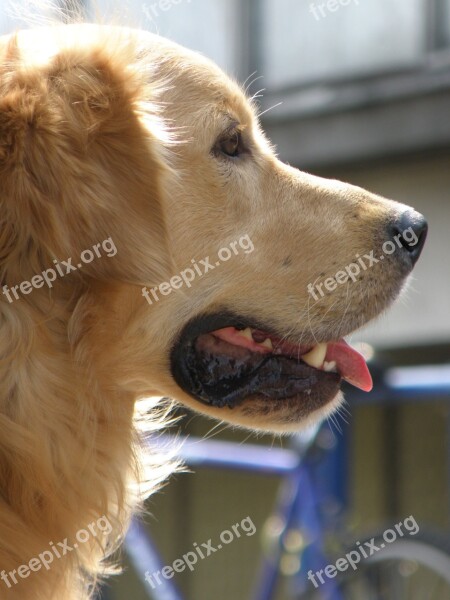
[(108, 133), (76, 135)]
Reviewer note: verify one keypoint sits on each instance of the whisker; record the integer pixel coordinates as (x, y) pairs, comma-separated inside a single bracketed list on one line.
[(248, 77), (252, 82), (268, 109), (258, 94), (215, 431)]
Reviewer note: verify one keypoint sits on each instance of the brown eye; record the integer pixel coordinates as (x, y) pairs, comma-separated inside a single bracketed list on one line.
[(231, 145)]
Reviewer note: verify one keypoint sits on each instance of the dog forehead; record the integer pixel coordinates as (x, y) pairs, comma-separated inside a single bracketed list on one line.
[(194, 82), (205, 96)]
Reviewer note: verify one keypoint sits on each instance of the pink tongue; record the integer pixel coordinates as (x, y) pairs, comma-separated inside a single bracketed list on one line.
[(350, 364)]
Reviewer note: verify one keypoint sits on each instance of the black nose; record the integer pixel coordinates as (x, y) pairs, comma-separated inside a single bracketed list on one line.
[(409, 231)]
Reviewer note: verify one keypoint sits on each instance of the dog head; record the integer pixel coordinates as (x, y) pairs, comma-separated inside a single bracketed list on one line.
[(236, 276)]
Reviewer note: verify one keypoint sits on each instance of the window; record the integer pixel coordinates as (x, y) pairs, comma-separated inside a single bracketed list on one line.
[(444, 19), (304, 40), (202, 25)]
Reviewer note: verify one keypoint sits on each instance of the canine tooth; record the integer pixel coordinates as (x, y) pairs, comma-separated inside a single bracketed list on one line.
[(330, 366), (247, 333), (316, 356), (267, 343)]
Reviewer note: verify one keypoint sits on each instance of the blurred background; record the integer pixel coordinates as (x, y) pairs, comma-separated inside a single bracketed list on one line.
[(357, 90)]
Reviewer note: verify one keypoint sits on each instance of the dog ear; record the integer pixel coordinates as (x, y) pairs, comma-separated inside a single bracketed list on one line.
[(82, 158)]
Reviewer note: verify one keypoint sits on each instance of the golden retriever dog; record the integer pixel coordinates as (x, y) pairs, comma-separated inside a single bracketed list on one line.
[(153, 246)]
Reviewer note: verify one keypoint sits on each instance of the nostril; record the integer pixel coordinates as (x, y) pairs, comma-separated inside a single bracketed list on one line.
[(409, 238), (410, 232)]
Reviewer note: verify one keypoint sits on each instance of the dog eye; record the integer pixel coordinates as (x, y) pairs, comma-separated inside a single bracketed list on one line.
[(232, 145)]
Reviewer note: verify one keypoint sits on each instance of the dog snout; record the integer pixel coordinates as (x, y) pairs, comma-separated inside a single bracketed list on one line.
[(409, 230)]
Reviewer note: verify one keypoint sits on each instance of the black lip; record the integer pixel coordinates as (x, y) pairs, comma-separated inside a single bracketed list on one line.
[(284, 378)]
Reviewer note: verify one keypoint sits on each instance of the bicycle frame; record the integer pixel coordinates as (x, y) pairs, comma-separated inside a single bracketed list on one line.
[(297, 508), (299, 496)]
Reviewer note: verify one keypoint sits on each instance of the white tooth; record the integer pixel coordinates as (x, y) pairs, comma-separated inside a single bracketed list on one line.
[(267, 343), (329, 366), (316, 356), (247, 333)]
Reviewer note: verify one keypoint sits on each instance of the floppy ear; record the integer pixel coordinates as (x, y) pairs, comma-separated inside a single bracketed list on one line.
[(81, 161)]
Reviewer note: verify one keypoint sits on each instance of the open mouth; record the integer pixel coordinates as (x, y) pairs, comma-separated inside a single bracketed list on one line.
[(223, 360)]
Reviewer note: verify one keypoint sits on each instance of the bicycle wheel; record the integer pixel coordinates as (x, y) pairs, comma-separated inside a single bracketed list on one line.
[(408, 569)]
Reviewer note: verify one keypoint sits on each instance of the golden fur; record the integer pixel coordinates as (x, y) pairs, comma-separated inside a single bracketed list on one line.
[(106, 132)]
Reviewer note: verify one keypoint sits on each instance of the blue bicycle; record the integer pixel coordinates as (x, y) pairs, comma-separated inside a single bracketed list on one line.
[(413, 566)]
